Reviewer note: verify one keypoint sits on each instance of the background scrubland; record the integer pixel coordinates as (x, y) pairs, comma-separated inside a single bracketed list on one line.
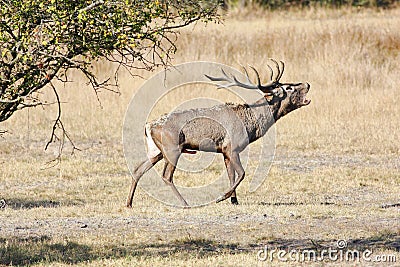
[(336, 173)]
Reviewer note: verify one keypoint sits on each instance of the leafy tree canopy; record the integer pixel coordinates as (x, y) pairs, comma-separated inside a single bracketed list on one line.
[(41, 39)]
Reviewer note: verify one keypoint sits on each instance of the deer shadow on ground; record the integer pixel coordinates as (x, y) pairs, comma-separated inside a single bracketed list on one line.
[(31, 250)]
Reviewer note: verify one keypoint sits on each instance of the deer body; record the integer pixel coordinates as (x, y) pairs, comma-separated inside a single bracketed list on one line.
[(205, 128), (226, 129)]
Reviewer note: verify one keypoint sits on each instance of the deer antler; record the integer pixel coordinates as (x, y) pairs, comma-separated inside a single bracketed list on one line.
[(233, 81), (280, 72), (269, 88)]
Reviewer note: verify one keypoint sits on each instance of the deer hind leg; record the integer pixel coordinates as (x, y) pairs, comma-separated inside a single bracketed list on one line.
[(237, 166), (141, 169), (168, 174), (231, 174)]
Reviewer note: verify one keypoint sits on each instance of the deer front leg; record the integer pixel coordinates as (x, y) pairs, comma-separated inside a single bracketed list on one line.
[(231, 175), (237, 166)]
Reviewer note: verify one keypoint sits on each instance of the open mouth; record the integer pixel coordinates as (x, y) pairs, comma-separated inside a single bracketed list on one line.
[(304, 101), (303, 96)]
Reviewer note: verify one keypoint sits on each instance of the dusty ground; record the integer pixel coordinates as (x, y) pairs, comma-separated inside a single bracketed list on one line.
[(55, 220)]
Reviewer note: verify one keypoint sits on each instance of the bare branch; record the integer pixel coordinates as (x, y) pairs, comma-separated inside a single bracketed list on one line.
[(91, 6), (58, 116), (35, 104), (64, 134)]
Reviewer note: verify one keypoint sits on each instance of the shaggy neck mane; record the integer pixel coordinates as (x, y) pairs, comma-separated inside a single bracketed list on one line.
[(257, 117)]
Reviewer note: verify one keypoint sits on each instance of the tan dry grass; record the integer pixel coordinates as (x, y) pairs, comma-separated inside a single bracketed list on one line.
[(336, 163), (351, 61)]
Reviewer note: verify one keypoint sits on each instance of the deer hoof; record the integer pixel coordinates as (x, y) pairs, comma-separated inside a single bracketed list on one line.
[(234, 201)]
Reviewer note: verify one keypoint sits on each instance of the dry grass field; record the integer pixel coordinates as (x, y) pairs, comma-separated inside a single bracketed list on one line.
[(336, 173)]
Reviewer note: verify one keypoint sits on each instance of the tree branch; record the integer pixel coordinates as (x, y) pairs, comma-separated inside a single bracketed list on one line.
[(42, 38), (58, 116), (64, 135), (91, 6)]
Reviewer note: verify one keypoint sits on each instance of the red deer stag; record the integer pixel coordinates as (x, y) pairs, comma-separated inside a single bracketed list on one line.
[(226, 128)]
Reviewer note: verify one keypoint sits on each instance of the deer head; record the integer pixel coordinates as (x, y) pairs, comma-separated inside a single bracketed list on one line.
[(284, 97)]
